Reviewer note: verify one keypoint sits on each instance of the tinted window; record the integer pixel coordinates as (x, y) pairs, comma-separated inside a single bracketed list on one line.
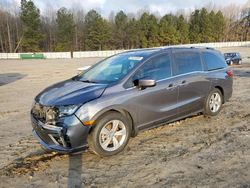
[(111, 69), (157, 68), (187, 62), (213, 61)]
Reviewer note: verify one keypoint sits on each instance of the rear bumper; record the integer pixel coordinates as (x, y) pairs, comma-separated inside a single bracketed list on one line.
[(228, 89), (228, 95), (71, 137)]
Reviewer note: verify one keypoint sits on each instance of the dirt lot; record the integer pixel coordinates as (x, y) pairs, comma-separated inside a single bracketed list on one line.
[(195, 152)]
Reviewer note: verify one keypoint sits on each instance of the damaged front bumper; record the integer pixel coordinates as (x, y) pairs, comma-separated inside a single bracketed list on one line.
[(69, 137)]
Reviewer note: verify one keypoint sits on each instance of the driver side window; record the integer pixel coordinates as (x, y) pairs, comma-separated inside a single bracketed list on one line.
[(157, 68)]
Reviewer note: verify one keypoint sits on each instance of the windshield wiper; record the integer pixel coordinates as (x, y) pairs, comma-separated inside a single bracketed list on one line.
[(88, 81)]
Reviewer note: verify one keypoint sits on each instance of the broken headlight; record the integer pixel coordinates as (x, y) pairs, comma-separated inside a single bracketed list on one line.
[(51, 115), (66, 110)]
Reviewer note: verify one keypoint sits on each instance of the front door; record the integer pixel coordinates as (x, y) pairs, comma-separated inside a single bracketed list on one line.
[(157, 103)]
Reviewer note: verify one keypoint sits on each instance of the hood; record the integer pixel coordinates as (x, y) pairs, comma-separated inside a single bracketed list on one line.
[(70, 92)]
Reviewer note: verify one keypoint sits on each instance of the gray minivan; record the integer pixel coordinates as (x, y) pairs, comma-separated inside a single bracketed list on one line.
[(116, 98)]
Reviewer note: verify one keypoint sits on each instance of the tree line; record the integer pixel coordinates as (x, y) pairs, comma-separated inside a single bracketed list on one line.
[(68, 30)]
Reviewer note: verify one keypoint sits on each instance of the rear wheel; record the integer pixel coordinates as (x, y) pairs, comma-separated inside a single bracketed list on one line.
[(236, 62), (110, 135), (213, 103)]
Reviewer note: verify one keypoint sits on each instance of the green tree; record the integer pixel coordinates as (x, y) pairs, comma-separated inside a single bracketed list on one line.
[(194, 27), (30, 17), (65, 30), (183, 29), (219, 26), (213, 22), (153, 32), (132, 33), (148, 31), (143, 30), (97, 33), (121, 23), (168, 30), (205, 26)]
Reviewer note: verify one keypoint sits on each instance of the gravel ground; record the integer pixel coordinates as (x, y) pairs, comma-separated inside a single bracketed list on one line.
[(194, 152)]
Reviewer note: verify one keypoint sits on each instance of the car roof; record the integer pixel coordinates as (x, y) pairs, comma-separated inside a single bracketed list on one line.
[(141, 52), (147, 52)]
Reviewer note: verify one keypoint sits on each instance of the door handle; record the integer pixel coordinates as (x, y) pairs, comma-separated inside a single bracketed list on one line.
[(170, 86), (184, 82)]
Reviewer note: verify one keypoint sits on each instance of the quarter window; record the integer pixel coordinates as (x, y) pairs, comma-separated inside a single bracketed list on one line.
[(187, 62), (213, 61)]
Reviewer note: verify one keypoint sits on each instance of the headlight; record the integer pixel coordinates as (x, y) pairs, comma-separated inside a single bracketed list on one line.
[(83, 113), (67, 110)]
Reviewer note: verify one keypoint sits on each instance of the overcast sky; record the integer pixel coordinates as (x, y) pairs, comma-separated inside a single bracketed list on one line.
[(129, 6)]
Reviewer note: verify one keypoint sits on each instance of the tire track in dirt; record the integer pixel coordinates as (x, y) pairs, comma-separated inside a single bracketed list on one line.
[(147, 147), (17, 151)]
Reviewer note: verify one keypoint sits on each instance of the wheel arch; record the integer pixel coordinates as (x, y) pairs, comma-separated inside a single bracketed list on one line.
[(122, 111), (221, 90)]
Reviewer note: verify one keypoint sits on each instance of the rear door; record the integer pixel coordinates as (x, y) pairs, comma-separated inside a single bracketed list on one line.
[(193, 85)]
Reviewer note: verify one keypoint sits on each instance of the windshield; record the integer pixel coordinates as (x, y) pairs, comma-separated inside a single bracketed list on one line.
[(111, 69), (226, 55)]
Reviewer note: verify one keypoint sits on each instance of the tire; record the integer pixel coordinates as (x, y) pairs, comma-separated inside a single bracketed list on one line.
[(110, 135), (236, 62), (213, 105)]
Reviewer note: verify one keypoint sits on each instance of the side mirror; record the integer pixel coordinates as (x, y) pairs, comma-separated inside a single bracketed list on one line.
[(144, 83)]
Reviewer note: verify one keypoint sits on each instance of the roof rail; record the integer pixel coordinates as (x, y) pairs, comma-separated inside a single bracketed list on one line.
[(141, 49), (202, 47), (172, 47), (186, 47)]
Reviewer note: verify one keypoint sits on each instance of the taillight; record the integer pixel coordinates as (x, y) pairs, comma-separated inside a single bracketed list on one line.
[(230, 73)]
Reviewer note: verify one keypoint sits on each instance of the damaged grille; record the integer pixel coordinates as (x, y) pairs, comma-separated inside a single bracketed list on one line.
[(45, 114)]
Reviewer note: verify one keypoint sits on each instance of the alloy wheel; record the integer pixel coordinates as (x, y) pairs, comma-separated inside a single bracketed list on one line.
[(215, 102), (112, 135)]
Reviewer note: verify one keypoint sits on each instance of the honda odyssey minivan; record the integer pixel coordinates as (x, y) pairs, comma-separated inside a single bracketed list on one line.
[(102, 107)]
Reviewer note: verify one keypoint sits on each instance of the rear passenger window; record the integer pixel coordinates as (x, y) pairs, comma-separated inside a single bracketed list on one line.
[(187, 62), (213, 61)]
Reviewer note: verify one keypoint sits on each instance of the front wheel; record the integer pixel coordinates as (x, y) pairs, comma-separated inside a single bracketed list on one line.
[(213, 103), (110, 135)]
